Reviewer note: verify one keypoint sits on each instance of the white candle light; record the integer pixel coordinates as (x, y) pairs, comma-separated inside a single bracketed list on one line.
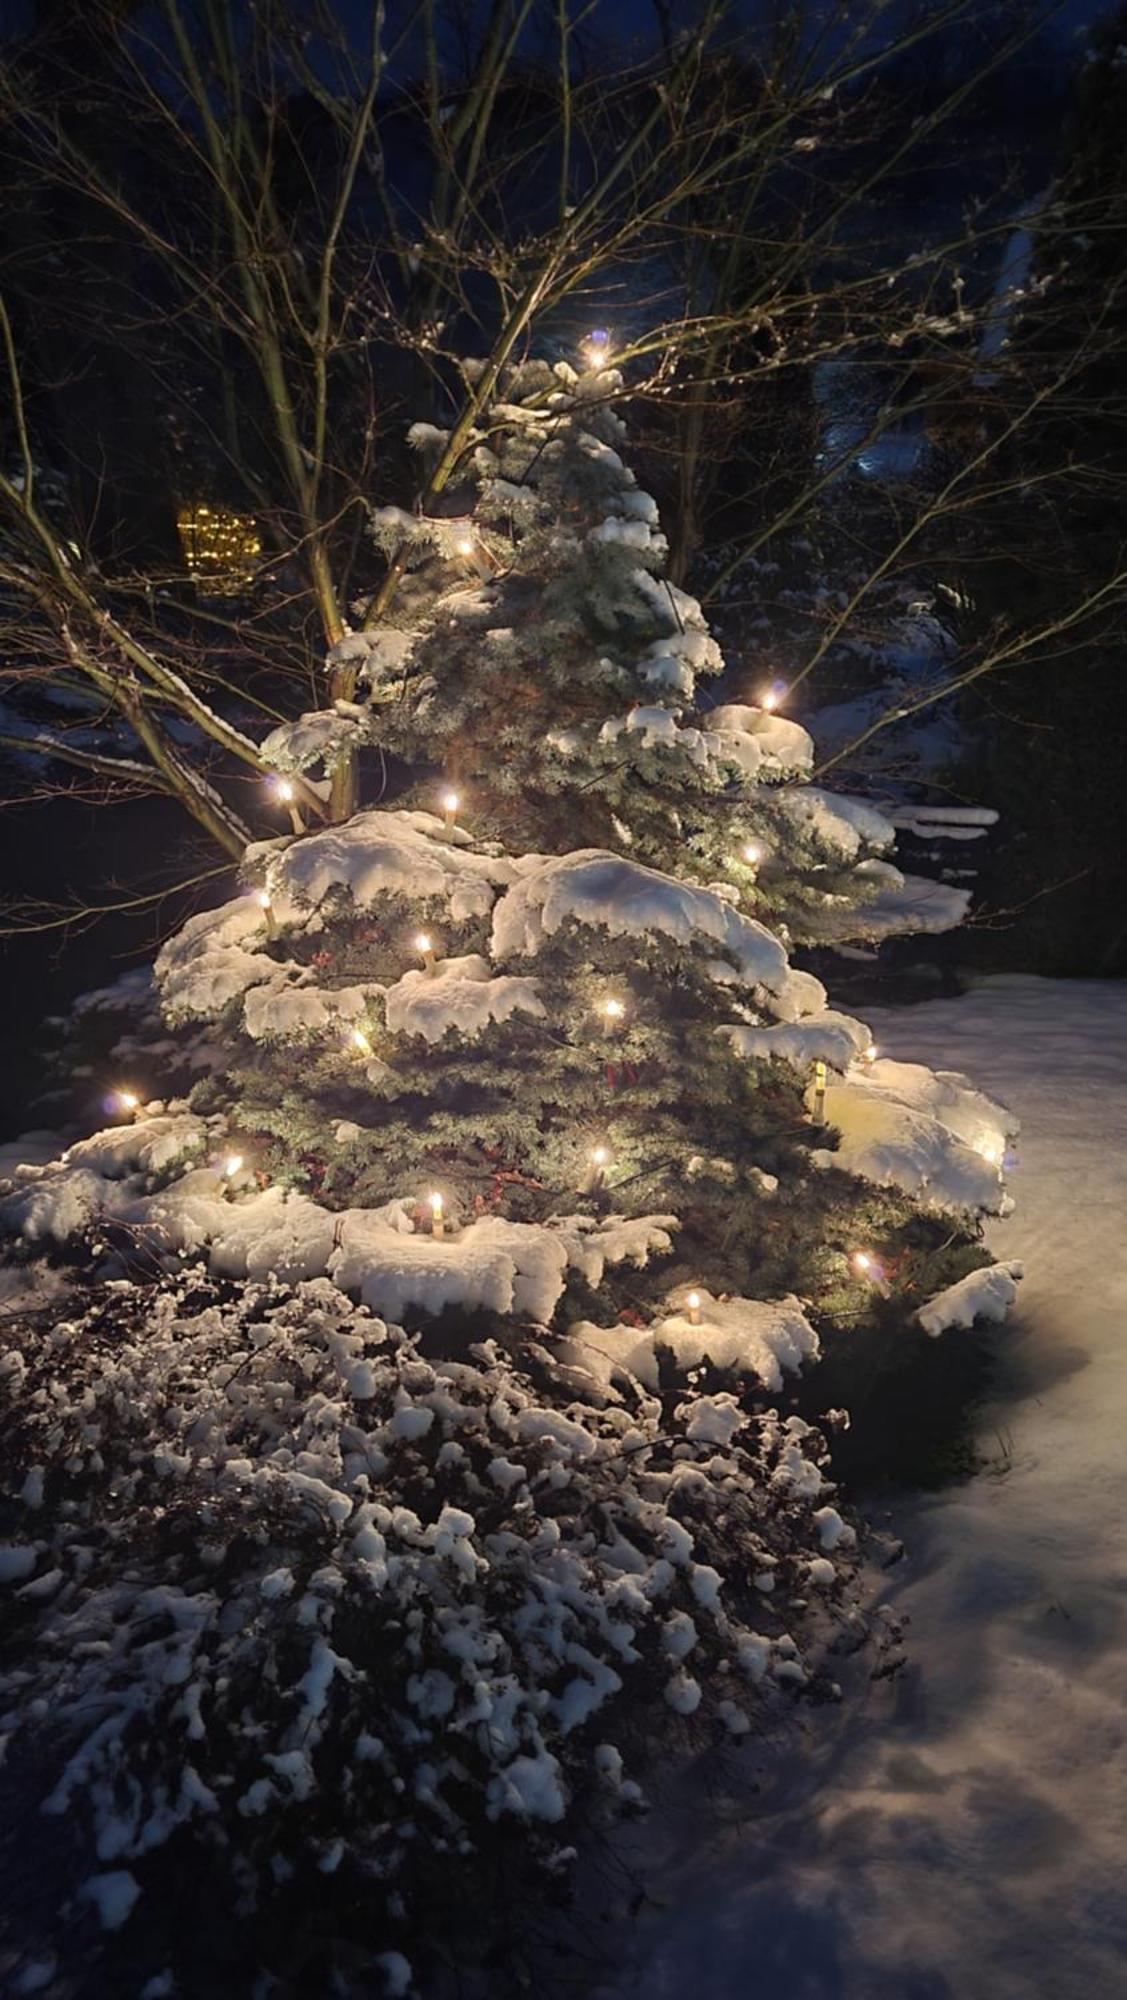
[(424, 943), (597, 1176), (870, 1054), (232, 1165), (819, 1093), (692, 1308), (596, 347), (437, 1214), (612, 1011), (129, 1102), (262, 898), (285, 792), (450, 804), (360, 1042), (868, 1266)]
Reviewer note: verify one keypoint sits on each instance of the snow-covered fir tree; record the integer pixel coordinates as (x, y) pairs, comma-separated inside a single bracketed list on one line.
[(412, 1395)]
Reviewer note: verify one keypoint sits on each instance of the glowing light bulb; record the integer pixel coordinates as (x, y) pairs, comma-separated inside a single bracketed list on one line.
[(596, 1178), (437, 1214), (751, 855), (692, 1308), (464, 545), (262, 898), (769, 701), (612, 1011), (282, 789), (450, 804), (360, 1041), (870, 1267), (128, 1100), (424, 943), (870, 1054), (596, 347), (232, 1165)]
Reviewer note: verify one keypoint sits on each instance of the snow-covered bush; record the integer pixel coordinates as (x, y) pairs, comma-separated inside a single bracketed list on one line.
[(289, 1593)]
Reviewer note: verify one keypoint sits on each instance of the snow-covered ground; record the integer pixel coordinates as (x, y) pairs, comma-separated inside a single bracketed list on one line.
[(960, 1832)]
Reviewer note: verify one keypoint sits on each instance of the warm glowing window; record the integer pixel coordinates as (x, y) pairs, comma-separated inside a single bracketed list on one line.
[(221, 548)]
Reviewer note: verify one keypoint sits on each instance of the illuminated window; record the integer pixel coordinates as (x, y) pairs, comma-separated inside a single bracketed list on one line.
[(221, 548)]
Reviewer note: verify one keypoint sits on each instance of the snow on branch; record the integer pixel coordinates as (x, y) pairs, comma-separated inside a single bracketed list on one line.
[(606, 892)]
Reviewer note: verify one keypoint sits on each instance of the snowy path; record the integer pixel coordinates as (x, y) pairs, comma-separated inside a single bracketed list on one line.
[(963, 1835)]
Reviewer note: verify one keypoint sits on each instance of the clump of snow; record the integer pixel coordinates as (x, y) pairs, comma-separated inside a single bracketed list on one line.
[(758, 1337), (607, 892), (843, 827), (462, 995), (986, 1294), (113, 1896), (895, 1140), (829, 1037), (780, 744), (386, 853)]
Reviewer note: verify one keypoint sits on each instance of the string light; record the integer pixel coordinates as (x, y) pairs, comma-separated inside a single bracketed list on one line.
[(437, 1214), (450, 804), (424, 943), (221, 548), (692, 1308), (612, 1011)]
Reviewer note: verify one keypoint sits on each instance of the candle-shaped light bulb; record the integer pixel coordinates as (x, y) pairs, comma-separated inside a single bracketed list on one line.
[(597, 1175), (819, 1093), (232, 1165), (612, 1011), (692, 1308), (262, 898), (450, 804), (285, 792), (870, 1267), (424, 943), (437, 1214)]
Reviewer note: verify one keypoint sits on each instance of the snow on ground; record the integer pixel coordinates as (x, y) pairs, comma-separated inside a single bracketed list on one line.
[(958, 1833)]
